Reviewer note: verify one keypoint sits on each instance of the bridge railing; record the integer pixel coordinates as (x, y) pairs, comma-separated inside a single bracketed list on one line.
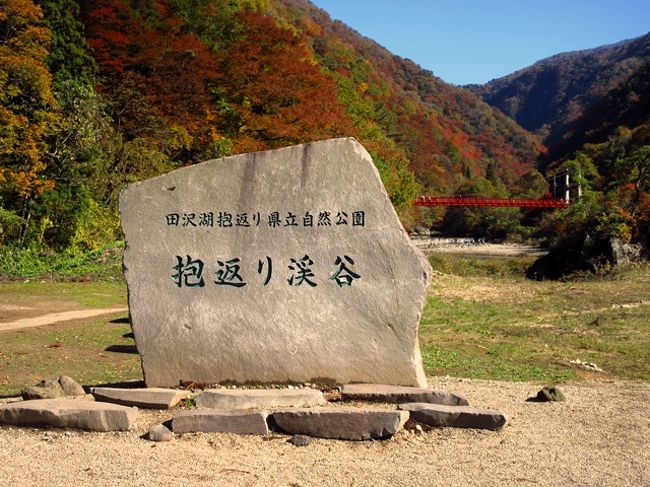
[(490, 202)]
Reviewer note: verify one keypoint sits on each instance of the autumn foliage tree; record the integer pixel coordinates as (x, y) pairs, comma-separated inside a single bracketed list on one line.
[(275, 93), (27, 112)]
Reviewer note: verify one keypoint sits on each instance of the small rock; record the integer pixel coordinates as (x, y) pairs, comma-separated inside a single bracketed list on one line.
[(70, 386), (549, 394), (586, 365), (300, 440), (413, 427), (160, 432), (455, 416), (45, 389)]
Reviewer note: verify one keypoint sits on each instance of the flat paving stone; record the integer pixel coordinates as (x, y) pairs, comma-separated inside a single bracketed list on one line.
[(258, 398), (398, 394), (241, 422), (455, 416), (341, 423), (147, 398), (68, 413)]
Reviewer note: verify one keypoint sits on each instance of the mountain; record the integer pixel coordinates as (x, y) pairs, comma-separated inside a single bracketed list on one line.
[(444, 129), (578, 97), (319, 79)]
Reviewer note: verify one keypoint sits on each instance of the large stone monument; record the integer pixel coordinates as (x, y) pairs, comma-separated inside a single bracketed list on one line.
[(281, 266)]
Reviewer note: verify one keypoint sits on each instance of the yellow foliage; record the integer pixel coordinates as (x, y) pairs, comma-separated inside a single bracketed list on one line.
[(96, 226), (27, 105)]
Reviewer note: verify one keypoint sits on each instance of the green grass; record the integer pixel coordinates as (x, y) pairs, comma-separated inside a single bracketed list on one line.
[(77, 349), (502, 326), (480, 266), (63, 295), (93, 352), (101, 264)]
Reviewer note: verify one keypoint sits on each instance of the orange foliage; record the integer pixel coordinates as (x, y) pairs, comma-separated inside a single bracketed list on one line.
[(157, 67), (27, 100), (279, 95)]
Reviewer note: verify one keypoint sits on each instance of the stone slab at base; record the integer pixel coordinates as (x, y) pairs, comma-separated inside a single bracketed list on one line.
[(341, 423), (147, 398), (68, 413), (258, 398), (455, 416), (397, 394), (241, 422)]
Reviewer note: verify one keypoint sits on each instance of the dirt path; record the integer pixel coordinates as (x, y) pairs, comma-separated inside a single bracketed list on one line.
[(598, 437), (51, 318)]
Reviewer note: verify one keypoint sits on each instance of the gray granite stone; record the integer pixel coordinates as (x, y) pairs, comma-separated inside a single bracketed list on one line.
[(68, 413), (70, 386), (397, 394), (258, 398), (244, 269), (341, 423), (241, 422), (300, 440), (45, 389), (455, 416), (149, 398), (549, 394)]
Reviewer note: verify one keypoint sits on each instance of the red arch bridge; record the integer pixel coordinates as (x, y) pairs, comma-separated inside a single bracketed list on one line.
[(490, 202)]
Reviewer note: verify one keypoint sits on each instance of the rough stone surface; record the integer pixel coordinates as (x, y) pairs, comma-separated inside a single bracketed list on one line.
[(149, 398), (341, 423), (396, 394), (68, 413), (258, 398), (300, 440), (70, 386), (160, 432), (625, 253), (45, 389), (199, 314), (242, 422), (455, 416), (549, 394)]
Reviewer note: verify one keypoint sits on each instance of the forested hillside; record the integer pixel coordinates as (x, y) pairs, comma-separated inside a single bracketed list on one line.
[(551, 96), (592, 110), (97, 94)]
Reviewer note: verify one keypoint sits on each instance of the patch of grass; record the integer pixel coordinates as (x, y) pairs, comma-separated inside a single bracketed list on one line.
[(56, 296), (102, 264), (506, 327), (82, 351), (463, 265)]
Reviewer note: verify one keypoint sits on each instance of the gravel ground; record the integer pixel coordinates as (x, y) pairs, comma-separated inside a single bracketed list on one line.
[(599, 437)]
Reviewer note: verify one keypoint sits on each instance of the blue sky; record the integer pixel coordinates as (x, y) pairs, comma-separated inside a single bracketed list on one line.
[(474, 41)]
